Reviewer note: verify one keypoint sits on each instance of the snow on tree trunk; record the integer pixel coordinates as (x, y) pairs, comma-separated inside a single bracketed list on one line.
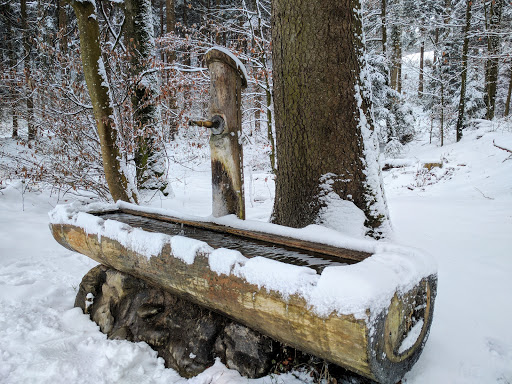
[(99, 92), (326, 146), (149, 155)]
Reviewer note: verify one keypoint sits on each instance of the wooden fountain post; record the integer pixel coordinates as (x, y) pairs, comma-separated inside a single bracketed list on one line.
[(227, 79)]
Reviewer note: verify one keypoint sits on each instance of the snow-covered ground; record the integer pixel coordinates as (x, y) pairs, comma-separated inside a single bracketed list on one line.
[(460, 213)]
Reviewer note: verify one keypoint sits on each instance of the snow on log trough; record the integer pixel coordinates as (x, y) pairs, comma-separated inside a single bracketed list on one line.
[(371, 314)]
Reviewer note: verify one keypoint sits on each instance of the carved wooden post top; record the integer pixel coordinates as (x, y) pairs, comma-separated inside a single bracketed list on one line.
[(225, 56)]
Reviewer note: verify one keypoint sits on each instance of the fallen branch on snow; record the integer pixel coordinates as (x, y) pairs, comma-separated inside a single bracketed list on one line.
[(487, 197), (502, 148)]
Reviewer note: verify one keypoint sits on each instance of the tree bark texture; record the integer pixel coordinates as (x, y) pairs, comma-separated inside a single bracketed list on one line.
[(170, 16), (420, 80), (509, 93), (321, 108), (94, 71), (62, 26), (29, 84), (148, 156), (13, 75), (396, 59), (464, 74), (493, 49), (384, 26), (170, 20)]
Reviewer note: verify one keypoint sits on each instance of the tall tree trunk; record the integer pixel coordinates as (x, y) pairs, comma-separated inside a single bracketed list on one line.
[(258, 100), (62, 26), (149, 161), (507, 103), (270, 132), (29, 85), (441, 118), (396, 58), (187, 103), (14, 113), (218, 36), (436, 44), (493, 49), (324, 129), (420, 80), (13, 74), (170, 16), (384, 26), (268, 91), (162, 16), (170, 20), (464, 74), (97, 85)]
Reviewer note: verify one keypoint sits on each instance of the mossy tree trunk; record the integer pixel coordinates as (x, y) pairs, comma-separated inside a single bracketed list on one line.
[(324, 127), (97, 85), (148, 156)]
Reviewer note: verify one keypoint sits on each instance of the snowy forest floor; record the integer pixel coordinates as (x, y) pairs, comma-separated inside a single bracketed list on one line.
[(460, 213)]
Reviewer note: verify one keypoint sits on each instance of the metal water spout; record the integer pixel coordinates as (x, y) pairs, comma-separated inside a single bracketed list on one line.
[(227, 79)]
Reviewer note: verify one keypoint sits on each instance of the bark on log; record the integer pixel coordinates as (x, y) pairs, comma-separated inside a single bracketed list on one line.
[(375, 349)]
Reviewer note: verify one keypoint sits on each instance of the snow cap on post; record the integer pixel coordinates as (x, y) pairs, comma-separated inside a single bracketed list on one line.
[(224, 55)]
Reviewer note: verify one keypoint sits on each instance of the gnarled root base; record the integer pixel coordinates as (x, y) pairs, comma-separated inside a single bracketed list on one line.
[(187, 336)]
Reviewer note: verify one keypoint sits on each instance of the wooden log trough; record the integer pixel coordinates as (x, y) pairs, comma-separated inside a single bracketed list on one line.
[(367, 309)]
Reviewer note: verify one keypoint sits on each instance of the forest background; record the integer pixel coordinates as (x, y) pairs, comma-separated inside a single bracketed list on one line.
[(153, 65)]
